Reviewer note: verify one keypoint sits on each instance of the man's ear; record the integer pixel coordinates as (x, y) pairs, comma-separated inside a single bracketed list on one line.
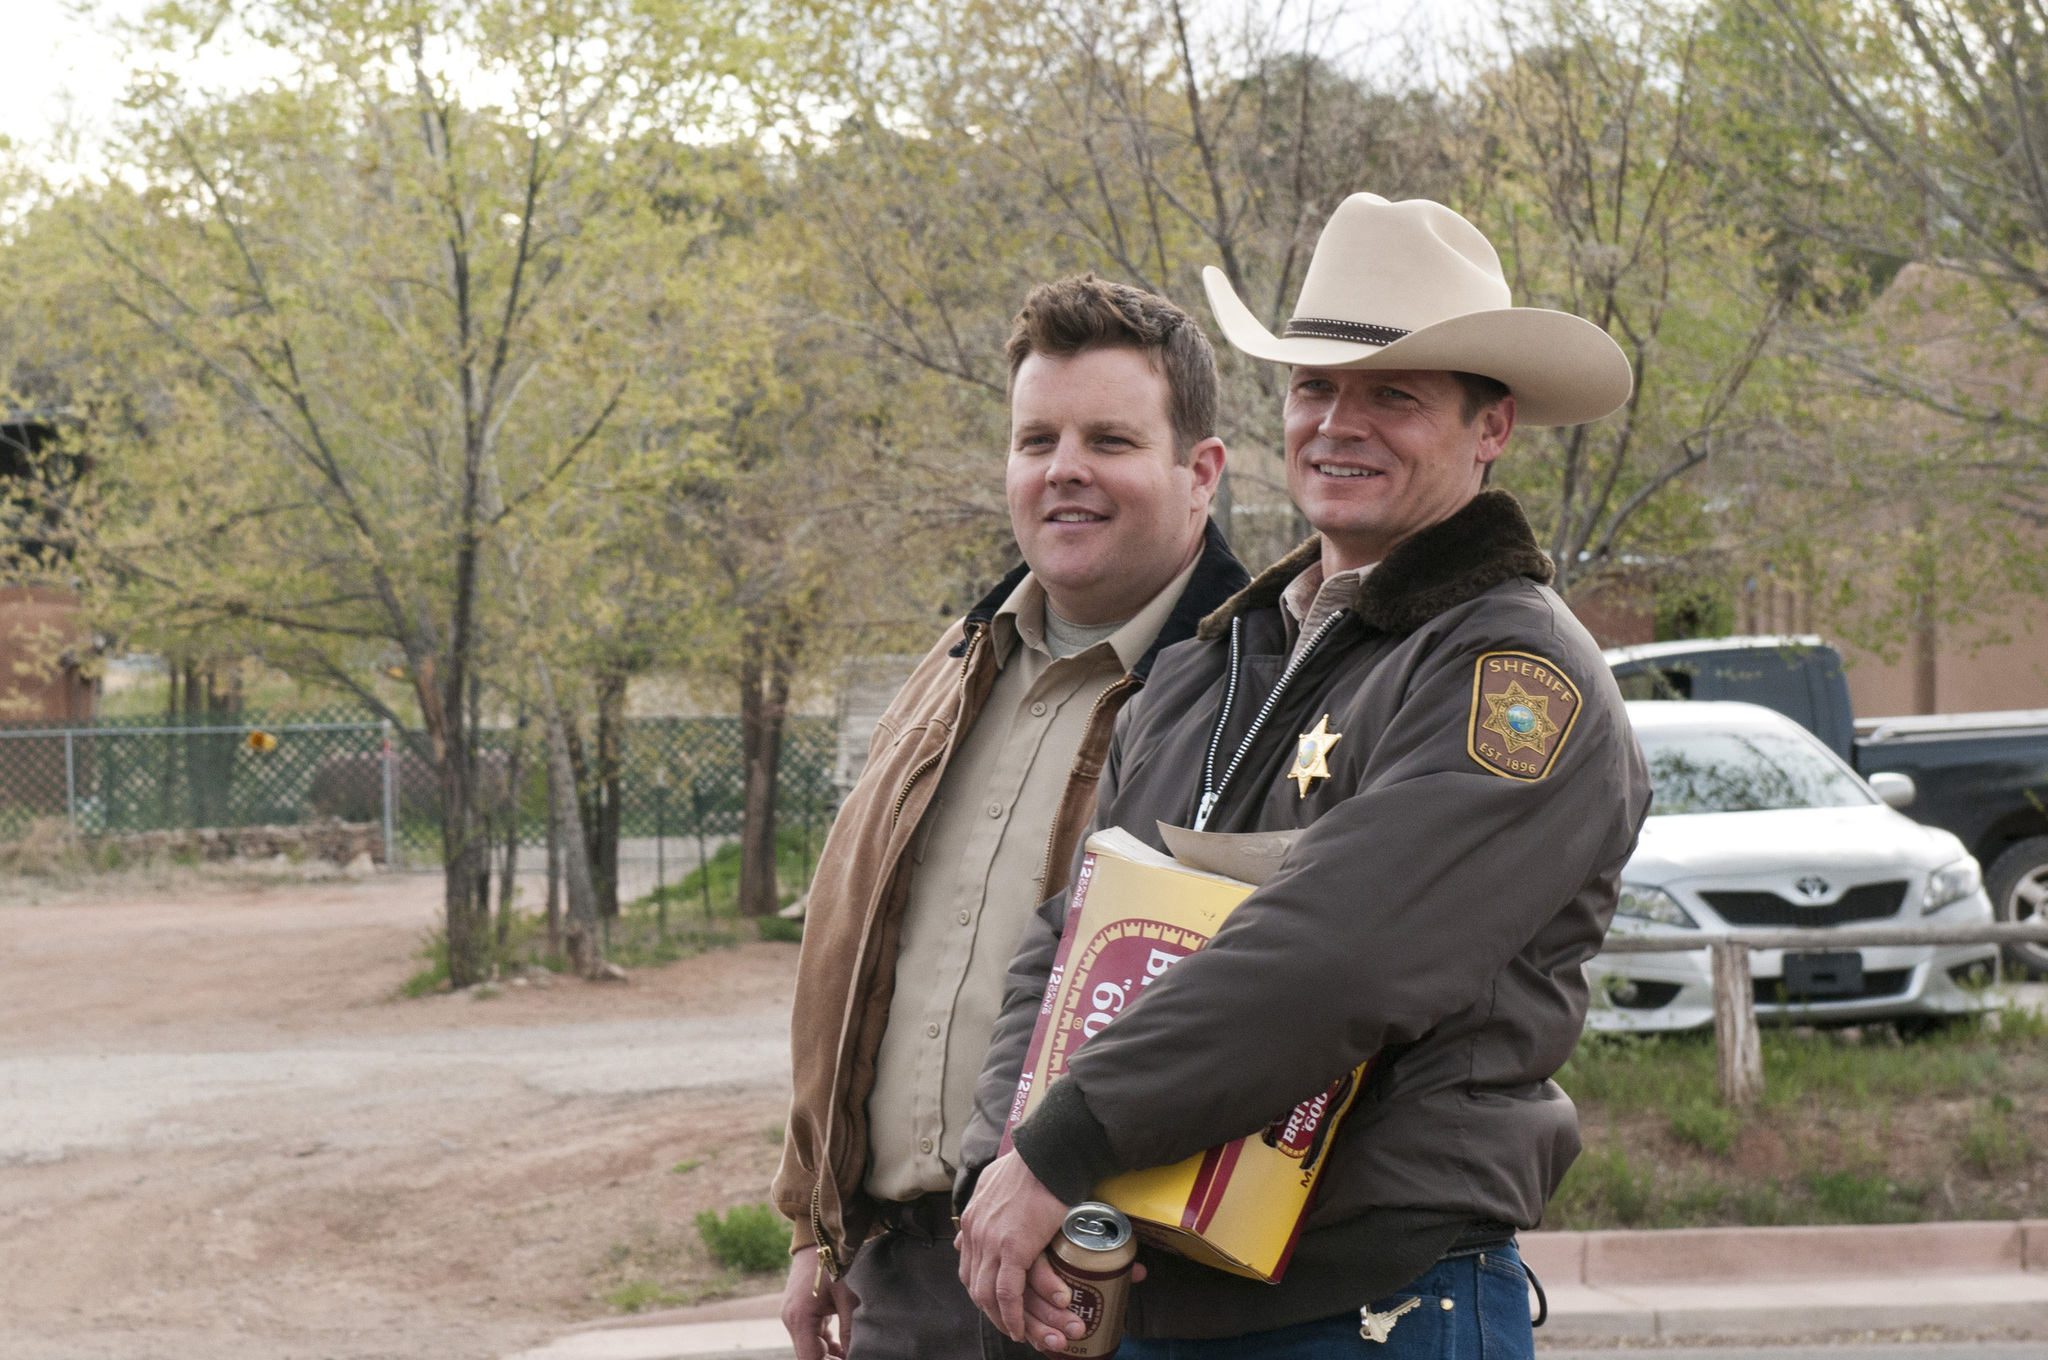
[(1496, 423), (1206, 461)]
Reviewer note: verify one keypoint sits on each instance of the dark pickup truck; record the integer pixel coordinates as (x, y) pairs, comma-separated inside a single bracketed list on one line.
[(1982, 776)]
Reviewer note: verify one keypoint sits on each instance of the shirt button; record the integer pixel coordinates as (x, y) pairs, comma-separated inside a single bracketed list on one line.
[(932, 1030), (924, 1145), (1038, 710), (963, 918), (995, 809)]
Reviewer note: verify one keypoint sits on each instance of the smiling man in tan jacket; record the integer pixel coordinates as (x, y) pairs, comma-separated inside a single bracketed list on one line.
[(979, 780)]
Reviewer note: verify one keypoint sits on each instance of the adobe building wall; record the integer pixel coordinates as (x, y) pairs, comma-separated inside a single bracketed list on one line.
[(39, 626), (1984, 679)]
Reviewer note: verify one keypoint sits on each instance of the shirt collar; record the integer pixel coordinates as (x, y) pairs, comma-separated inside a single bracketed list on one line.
[(1021, 619), (1308, 590)]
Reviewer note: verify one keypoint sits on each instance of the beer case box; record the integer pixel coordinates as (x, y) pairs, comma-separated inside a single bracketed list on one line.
[(1133, 914)]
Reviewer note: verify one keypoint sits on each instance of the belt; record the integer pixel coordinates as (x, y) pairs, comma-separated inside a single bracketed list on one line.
[(928, 1216)]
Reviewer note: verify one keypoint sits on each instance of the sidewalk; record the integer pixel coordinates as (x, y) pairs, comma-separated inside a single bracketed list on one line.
[(1714, 1284)]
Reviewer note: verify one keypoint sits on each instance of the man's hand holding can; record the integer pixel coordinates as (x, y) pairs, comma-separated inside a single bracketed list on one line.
[(1003, 1239)]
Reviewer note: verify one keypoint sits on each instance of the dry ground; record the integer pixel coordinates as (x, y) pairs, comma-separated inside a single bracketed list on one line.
[(222, 1136)]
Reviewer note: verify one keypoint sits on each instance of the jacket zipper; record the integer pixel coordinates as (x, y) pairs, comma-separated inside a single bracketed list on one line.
[(1212, 788), (828, 1263), (903, 795), (1053, 840)]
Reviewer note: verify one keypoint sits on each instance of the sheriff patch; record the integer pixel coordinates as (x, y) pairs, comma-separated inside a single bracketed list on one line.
[(1523, 709)]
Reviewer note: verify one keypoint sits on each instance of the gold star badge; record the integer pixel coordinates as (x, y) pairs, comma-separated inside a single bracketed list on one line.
[(1311, 752), (1520, 718)]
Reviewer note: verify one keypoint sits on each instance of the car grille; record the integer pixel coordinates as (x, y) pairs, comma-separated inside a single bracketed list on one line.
[(1886, 982), (1864, 902)]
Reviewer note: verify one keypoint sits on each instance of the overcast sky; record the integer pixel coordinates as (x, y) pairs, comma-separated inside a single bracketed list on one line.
[(66, 68)]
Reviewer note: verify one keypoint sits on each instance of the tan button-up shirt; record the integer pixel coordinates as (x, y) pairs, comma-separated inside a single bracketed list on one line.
[(1309, 599), (979, 863)]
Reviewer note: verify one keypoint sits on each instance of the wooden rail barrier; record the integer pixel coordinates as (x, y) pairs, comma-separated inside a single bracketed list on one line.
[(1737, 1047)]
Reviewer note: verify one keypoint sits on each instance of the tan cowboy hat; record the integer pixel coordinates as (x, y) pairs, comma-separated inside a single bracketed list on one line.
[(1414, 285)]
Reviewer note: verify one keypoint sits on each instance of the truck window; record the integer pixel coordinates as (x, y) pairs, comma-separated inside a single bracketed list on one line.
[(1768, 676), (1648, 682)]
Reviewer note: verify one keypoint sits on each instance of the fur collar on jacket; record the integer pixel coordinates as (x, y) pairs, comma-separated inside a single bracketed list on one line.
[(1484, 544)]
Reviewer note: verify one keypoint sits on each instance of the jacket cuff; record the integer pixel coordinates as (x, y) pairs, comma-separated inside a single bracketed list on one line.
[(800, 1234), (1064, 1144)]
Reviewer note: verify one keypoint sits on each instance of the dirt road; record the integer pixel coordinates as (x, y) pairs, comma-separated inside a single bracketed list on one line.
[(222, 1136)]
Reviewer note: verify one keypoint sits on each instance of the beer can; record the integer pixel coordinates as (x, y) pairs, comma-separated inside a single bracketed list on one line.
[(1093, 1254)]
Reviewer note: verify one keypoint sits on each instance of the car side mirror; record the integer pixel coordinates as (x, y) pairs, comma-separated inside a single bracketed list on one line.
[(1897, 790)]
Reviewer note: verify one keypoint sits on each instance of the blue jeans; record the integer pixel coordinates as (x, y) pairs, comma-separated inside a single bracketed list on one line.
[(1470, 1308)]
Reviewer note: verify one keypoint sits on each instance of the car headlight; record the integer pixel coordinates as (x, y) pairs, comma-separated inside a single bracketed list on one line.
[(1952, 884), (1642, 903)]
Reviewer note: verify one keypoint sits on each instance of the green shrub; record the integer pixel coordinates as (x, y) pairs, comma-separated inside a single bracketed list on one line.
[(749, 1237), (776, 928), (1995, 1143), (1605, 1187), (1711, 1128), (1846, 1197)]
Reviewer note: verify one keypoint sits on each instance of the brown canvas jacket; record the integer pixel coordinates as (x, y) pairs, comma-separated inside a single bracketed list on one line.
[(1435, 912), (846, 973)]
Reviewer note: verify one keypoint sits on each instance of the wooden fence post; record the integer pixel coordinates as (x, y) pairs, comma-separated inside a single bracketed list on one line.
[(1738, 1050)]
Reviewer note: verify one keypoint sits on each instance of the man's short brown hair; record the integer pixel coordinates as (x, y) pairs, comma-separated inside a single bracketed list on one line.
[(1077, 314), (1477, 393)]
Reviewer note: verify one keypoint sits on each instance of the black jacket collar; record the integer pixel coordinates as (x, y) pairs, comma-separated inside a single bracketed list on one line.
[(1218, 575), (1458, 559)]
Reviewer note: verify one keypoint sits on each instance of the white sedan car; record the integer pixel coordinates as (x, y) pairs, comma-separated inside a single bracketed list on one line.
[(1754, 823)]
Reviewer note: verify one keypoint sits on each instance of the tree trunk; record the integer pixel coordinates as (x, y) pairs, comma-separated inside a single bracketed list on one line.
[(606, 779), (764, 704), (465, 849), (554, 907), (508, 874), (585, 946)]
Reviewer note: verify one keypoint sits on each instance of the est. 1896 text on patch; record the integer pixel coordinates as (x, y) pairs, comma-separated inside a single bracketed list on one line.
[(1523, 708)]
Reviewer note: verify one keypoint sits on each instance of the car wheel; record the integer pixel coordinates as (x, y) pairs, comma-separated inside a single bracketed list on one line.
[(2018, 885)]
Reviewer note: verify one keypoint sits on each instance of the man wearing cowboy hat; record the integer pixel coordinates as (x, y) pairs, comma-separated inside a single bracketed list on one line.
[(1405, 696)]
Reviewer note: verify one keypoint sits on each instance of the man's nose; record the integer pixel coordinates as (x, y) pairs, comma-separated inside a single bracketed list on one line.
[(1069, 463), (1349, 416)]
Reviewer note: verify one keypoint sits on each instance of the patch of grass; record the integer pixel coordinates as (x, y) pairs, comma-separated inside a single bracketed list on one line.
[(773, 1133), (185, 859), (685, 1168), (1995, 1143), (719, 880), (1763, 1206), (750, 1237), (776, 928), (1849, 1197), (635, 1295), (1708, 1127), (1607, 1187), (1873, 1124), (1670, 1072)]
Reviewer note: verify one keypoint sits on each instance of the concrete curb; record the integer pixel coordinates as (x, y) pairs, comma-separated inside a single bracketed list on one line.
[(1708, 1284)]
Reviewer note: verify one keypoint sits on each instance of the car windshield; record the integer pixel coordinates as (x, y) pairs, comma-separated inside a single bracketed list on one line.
[(1754, 771)]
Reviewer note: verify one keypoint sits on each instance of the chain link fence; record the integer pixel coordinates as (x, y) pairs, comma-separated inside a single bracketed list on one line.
[(681, 789)]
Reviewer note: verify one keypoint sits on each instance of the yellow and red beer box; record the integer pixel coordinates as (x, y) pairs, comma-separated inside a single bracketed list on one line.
[(1134, 913)]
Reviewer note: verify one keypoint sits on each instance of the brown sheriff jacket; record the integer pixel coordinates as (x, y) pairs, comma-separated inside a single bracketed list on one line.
[(846, 974), (1463, 831)]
